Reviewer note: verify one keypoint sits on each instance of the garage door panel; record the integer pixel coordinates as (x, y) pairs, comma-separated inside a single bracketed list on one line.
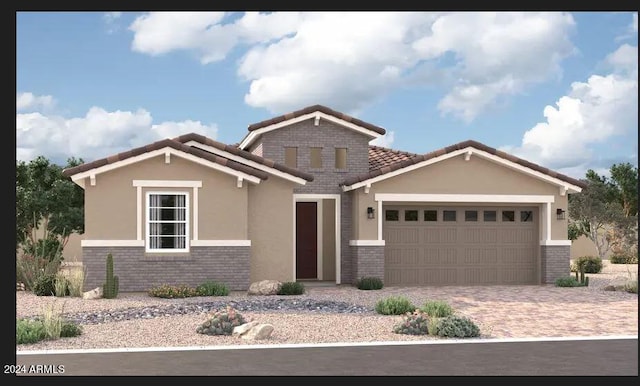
[(480, 256), (478, 235), (409, 256), (439, 235), (392, 257), (439, 276)]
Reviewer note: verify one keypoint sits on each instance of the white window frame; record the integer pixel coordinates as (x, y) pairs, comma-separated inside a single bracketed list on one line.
[(148, 228)]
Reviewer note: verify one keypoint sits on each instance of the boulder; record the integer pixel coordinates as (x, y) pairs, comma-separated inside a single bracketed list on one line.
[(265, 287), (258, 332), (244, 328), (95, 293)]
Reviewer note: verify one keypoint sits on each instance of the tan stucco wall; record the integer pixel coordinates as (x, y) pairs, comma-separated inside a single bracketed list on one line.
[(583, 246), (329, 239), (271, 230), (457, 176), (110, 205)]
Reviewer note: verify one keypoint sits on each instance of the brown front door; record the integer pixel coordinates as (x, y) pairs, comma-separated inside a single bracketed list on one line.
[(306, 240)]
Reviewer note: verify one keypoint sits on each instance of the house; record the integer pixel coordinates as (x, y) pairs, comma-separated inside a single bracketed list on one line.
[(304, 196)]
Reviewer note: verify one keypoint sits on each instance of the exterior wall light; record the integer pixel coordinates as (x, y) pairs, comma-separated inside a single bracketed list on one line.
[(560, 213), (370, 213)]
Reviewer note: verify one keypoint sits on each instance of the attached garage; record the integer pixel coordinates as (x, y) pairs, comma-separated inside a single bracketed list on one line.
[(460, 245)]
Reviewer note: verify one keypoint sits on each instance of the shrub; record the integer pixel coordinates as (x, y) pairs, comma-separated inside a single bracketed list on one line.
[(589, 264), (369, 283), (172, 291), (70, 329), (291, 288), (568, 281), (221, 322), (454, 326), (45, 285), (627, 258), (437, 308), (413, 323), (212, 288), (394, 305), (29, 331), (52, 321), (30, 268), (631, 286), (49, 248), (61, 285), (75, 279)]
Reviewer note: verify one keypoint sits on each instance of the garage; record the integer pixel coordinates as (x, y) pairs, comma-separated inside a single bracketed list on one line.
[(460, 245)]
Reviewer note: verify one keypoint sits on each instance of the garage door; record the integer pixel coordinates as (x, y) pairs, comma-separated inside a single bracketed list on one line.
[(460, 245)]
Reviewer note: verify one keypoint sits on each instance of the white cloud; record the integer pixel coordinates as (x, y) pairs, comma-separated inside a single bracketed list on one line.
[(592, 112), (29, 101), (110, 19), (634, 23), (99, 133), (349, 59), (385, 140)]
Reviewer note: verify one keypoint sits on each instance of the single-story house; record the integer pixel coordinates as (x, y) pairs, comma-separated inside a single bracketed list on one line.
[(303, 196)]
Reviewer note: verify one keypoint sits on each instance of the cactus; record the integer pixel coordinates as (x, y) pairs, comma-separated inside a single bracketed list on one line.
[(110, 288)]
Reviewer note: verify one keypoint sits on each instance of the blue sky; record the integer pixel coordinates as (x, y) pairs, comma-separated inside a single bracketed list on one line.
[(558, 89)]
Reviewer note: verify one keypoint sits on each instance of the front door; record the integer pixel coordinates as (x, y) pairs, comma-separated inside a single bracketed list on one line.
[(306, 240)]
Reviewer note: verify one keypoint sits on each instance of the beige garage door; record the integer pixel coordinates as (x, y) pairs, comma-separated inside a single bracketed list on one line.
[(460, 245)]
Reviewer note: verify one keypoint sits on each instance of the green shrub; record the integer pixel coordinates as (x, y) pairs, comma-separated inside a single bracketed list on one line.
[(432, 325), (627, 258), (589, 264), (61, 285), (394, 305), (30, 268), (413, 323), (70, 329), (172, 291), (76, 282), (437, 308), (568, 281), (369, 283), (29, 331), (212, 288), (291, 288), (49, 248), (221, 322), (631, 286), (52, 321), (454, 326), (45, 285)]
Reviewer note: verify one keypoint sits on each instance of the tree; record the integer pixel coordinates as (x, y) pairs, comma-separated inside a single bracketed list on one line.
[(624, 178), (47, 200)]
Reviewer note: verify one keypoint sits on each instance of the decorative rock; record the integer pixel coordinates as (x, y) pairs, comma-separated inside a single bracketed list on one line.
[(261, 331), (609, 288), (265, 287), (95, 293), (244, 328), (20, 286)]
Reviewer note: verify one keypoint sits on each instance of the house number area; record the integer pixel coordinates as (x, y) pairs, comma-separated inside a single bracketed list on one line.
[(34, 369)]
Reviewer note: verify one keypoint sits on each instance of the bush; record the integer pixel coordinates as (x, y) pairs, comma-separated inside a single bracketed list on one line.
[(211, 288), (454, 326), (414, 323), (76, 282), (49, 248), (437, 308), (61, 285), (172, 291), (291, 288), (29, 331), (52, 321), (568, 281), (45, 285), (221, 322), (70, 329), (631, 286), (627, 258), (30, 268), (394, 305), (369, 283), (590, 264)]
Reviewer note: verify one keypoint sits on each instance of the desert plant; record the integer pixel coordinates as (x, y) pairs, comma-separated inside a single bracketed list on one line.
[(626, 258), (75, 279), (45, 285), (589, 264), (212, 288), (394, 305), (29, 331), (110, 288), (631, 286), (432, 325), (61, 284), (52, 321), (454, 326), (172, 291), (568, 281), (369, 283), (413, 323), (32, 266), (70, 329), (221, 322), (437, 308), (291, 288)]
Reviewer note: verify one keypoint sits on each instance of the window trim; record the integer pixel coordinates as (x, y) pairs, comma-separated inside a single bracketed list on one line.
[(187, 220)]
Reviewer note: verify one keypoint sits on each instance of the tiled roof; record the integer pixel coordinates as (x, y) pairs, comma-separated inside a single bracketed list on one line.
[(161, 145), (314, 108), (381, 156), (233, 149), (458, 146)]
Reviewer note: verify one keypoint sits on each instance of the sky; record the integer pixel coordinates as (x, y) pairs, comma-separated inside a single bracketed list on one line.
[(557, 89)]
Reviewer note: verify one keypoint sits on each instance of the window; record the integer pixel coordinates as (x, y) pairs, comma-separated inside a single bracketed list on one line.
[(410, 215), (167, 222), (341, 158), (291, 157), (508, 216), (489, 215), (448, 215), (316, 157), (526, 215), (391, 215), (430, 215), (470, 215)]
